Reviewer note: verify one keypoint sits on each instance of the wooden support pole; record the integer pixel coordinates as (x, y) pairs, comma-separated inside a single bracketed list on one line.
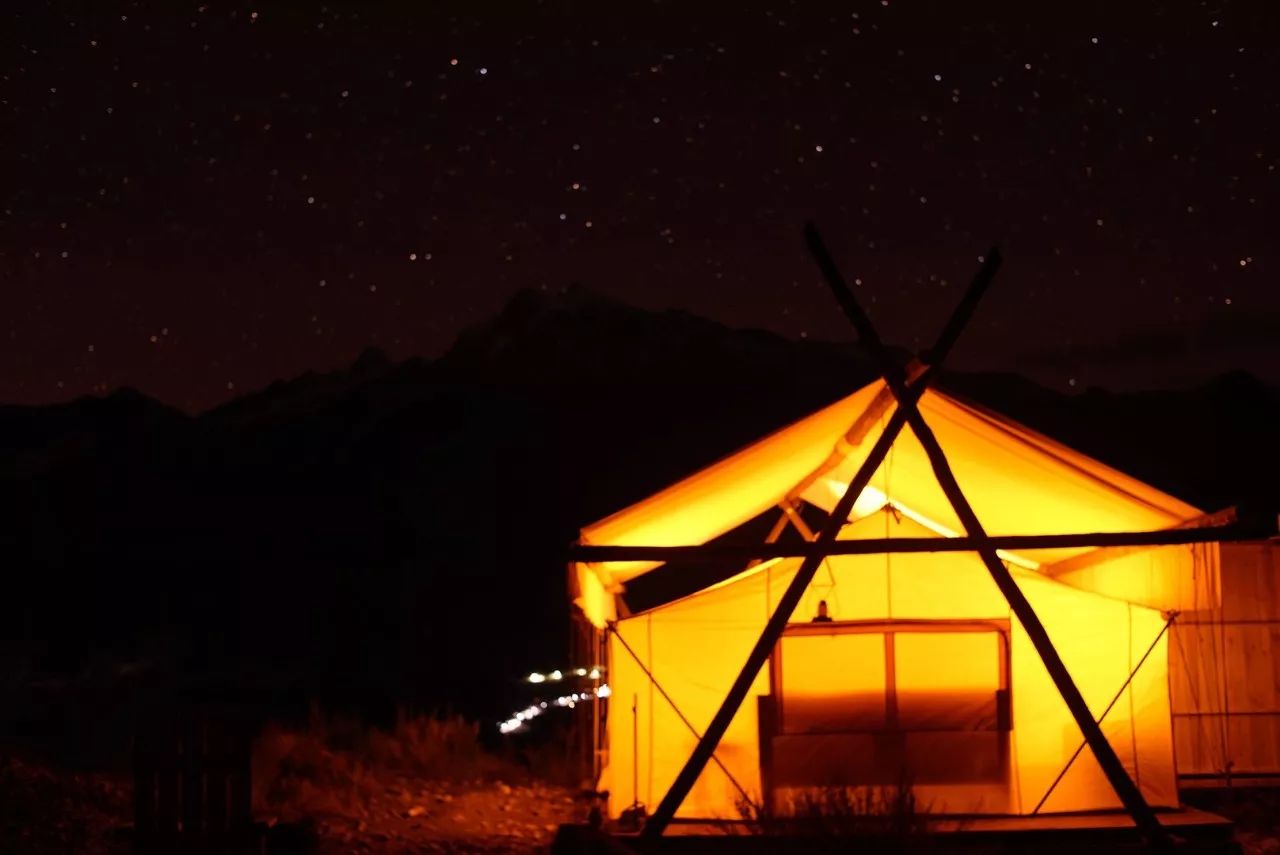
[(1115, 698), (893, 545), (706, 746), (779, 526), (1130, 796), (854, 436), (907, 397), (671, 702)]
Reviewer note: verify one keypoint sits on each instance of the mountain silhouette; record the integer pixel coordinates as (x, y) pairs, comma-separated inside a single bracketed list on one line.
[(393, 531)]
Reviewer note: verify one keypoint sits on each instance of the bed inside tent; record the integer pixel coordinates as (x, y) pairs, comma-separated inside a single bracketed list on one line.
[(922, 675)]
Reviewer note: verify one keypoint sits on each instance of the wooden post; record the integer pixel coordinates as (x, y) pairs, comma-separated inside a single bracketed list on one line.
[(1143, 816), (194, 817), (706, 746), (167, 766), (144, 788), (240, 775), (697, 761)]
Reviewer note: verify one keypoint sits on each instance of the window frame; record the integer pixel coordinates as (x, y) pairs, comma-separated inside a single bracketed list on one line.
[(888, 628)]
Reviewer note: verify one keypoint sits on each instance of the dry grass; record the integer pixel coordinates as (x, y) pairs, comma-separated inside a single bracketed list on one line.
[(424, 784), (335, 762), (882, 819)]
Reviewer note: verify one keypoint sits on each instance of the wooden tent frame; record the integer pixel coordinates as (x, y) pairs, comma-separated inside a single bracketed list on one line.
[(904, 385)]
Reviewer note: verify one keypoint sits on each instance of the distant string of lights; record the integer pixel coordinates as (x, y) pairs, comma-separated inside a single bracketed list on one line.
[(557, 675), (520, 718)]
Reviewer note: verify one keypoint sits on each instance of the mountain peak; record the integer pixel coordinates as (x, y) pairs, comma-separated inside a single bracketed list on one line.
[(371, 360)]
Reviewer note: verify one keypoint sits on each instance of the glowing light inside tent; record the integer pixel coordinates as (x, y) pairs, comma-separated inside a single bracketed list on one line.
[(868, 502), (872, 500)]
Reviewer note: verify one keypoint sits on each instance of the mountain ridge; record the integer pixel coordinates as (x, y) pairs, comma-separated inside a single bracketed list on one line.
[(335, 528)]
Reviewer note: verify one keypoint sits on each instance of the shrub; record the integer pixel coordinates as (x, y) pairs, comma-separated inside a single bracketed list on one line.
[(331, 766), (883, 819)]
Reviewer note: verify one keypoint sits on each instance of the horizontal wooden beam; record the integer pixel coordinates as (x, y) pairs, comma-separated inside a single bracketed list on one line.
[(591, 553), (1225, 517)]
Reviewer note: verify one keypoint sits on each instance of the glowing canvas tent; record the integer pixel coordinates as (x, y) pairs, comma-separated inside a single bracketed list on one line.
[(932, 694), (967, 687)]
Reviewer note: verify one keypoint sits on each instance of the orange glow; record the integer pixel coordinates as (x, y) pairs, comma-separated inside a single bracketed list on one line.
[(945, 684), (924, 664)]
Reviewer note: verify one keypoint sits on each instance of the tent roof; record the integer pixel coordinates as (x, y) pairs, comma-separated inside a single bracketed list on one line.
[(1018, 481)]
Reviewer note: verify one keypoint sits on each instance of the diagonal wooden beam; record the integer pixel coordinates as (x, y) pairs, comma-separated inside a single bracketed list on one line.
[(1115, 698), (857, 432), (764, 645), (635, 657), (779, 526), (1130, 796)]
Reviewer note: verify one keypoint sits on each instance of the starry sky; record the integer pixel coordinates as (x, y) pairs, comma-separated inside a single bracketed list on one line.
[(199, 198)]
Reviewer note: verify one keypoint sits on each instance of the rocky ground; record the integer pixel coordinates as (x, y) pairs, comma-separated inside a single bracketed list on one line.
[(43, 812), (405, 816)]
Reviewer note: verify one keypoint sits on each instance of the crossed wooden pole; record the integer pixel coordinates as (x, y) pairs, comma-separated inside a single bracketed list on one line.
[(906, 393)]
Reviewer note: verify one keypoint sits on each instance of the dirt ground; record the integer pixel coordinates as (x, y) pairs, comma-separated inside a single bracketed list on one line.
[(44, 812), (405, 816), (1255, 812), (384, 812)]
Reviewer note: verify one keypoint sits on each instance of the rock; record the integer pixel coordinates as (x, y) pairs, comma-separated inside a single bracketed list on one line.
[(444, 797), (504, 789), (458, 817), (417, 810)]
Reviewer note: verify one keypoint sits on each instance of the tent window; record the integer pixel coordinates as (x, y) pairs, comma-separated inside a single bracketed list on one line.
[(834, 683), (898, 676), (865, 703)]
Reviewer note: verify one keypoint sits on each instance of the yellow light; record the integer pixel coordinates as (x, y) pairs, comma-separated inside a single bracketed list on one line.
[(872, 500)]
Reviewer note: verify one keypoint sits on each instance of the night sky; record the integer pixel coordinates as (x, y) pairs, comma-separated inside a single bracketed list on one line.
[(199, 198)]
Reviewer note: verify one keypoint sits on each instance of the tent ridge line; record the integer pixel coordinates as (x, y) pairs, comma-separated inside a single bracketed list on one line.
[(857, 432), (1047, 445)]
